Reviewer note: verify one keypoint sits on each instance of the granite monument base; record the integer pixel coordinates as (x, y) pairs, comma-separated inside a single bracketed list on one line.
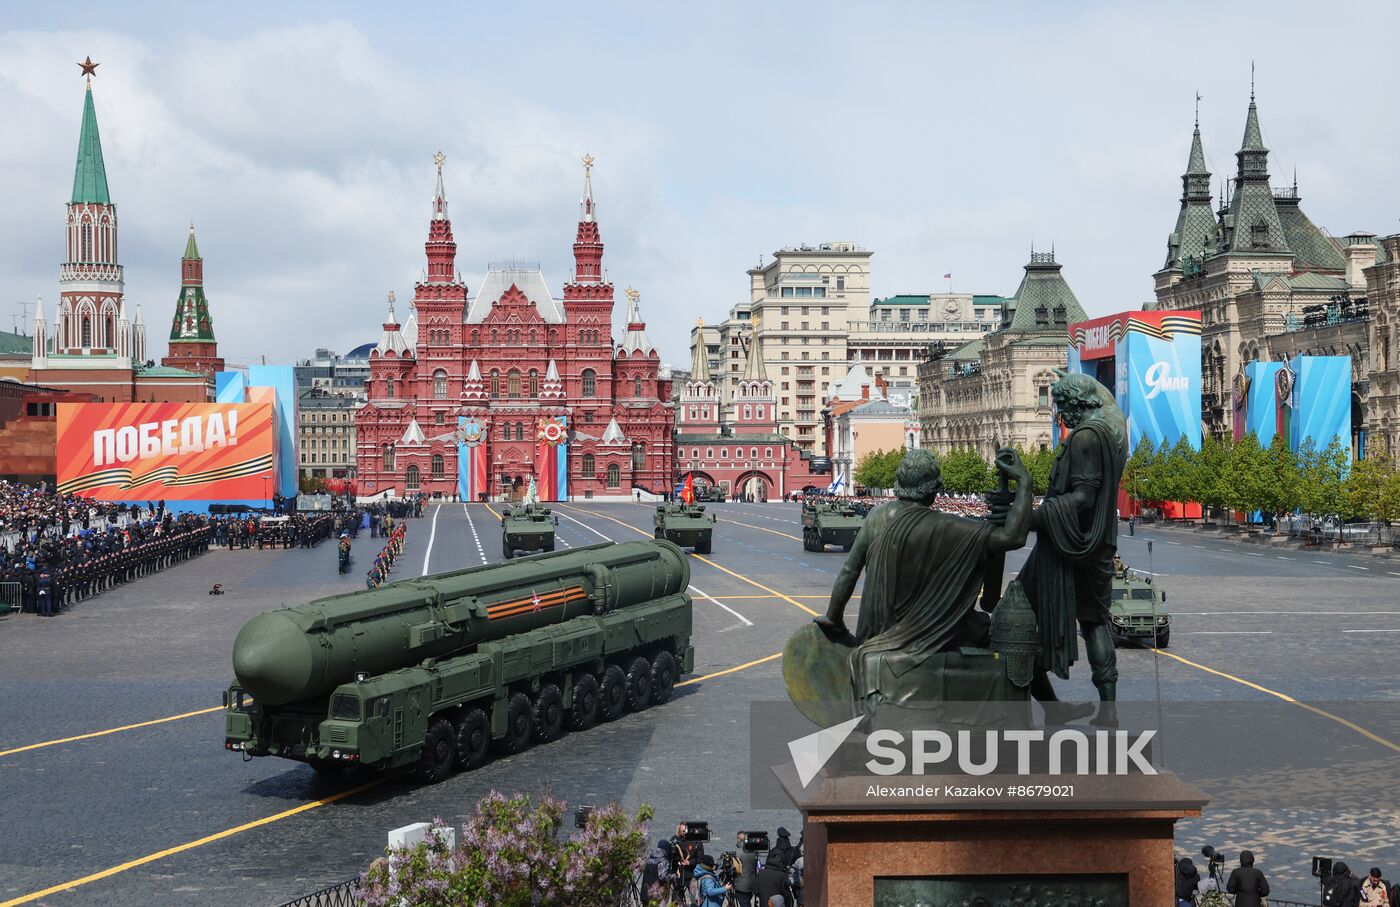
[(960, 840)]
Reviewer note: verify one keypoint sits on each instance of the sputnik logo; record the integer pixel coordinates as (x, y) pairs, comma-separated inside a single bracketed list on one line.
[(811, 753)]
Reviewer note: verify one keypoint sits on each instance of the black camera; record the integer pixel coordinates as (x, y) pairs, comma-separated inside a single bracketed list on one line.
[(727, 869), (754, 841), (1215, 860), (694, 832), (1322, 867), (581, 816)]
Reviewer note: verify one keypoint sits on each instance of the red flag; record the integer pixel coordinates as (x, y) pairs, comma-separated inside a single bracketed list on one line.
[(688, 490)]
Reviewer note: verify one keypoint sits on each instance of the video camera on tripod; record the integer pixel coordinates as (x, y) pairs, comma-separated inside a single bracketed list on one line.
[(754, 841), (693, 832), (1215, 865)]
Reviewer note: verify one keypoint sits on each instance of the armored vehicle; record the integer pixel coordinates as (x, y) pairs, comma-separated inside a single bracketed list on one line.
[(429, 673), (829, 523), (685, 524), (528, 528), (1137, 610)]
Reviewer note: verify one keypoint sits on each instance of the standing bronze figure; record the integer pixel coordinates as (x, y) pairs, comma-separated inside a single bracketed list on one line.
[(1069, 574)]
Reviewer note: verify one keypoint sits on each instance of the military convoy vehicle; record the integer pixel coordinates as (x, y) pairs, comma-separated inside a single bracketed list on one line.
[(430, 673), (829, 523), (1137, 610), (685, 524), (528, 528)]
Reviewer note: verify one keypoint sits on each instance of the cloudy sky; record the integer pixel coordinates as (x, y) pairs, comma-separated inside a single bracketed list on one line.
[(944, 137)]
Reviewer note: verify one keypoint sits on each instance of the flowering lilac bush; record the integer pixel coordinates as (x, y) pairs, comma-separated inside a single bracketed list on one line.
[(510, 854)]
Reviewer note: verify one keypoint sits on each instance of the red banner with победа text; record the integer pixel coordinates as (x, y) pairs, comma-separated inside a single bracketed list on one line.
[(166, 451)]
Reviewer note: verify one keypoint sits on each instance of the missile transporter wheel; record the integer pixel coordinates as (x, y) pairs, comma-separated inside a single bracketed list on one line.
[(520, 724), (439, 751), (583, 709), (612, 694), (1164, 639), (663, 677), (548, 546), (507, 551), (638, 684), (658, 533), (703, 545), (549, 713), (473, 739)]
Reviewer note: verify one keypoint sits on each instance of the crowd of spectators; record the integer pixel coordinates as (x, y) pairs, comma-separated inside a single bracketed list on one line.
[(56, 549), (1249, 887)]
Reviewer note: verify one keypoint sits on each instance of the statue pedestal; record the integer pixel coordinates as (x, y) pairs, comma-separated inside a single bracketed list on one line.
[(946, 841)]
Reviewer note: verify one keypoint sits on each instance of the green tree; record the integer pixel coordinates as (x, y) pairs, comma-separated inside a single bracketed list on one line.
[(1040, 461), (1280, 492), (1201, 479), (1140, 473), (878, 467), (1372, 487), (965, 472), (1323, 489), (1244, 484)]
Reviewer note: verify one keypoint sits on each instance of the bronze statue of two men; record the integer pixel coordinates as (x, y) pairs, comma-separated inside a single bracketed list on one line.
[(920, 637)]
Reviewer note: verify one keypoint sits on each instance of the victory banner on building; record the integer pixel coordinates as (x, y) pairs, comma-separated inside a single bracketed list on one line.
[(166, 451)]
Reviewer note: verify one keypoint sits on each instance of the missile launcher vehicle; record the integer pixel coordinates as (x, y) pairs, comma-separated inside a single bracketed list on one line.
[(829, 523), (687, 525), (528, 528), (433, 673)]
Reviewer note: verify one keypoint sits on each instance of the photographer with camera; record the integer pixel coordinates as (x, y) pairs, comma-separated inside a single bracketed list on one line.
[(658, 878), (1188, 882), (712, 890), (745, 869), (1247, 884)]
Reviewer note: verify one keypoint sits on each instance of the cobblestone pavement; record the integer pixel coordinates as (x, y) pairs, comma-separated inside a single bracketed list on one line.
[(160, 813)]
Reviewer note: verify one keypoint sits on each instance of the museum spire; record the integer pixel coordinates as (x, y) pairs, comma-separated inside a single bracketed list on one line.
[(90, 175), (588, 243)]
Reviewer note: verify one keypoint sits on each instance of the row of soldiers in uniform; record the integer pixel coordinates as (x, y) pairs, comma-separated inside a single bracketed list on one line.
[(384, 561), (55, 573), (301, 530)]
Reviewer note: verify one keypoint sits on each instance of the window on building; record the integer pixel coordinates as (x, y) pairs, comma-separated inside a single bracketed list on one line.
[(636, 385), (782, 310), (439, 385), (840, 283), (513, 385), (590, 383), (709, 453), (87, 331), (437, 466), (495, 383), (819, 292), (768, 452), (410, 478), (787, 291), (785, 354), (439, 419), (748, 411), (590, 467), (695, 453), (614, 476), (724, 453), (692, 414), (758, 411), (495, 337), (1044, 395), (388, 458), (639, 455), (389, 387), (534, 383), (476, 338)]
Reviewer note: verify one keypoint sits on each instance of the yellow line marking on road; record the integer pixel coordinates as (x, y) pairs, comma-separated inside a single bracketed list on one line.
[(739, 576), (1374, 738), (114, 730), (492, 509), (189, 845), (757, 585), (686, 683)]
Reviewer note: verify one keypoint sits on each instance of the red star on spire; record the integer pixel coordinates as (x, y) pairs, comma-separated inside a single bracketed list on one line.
[(88, 67)]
